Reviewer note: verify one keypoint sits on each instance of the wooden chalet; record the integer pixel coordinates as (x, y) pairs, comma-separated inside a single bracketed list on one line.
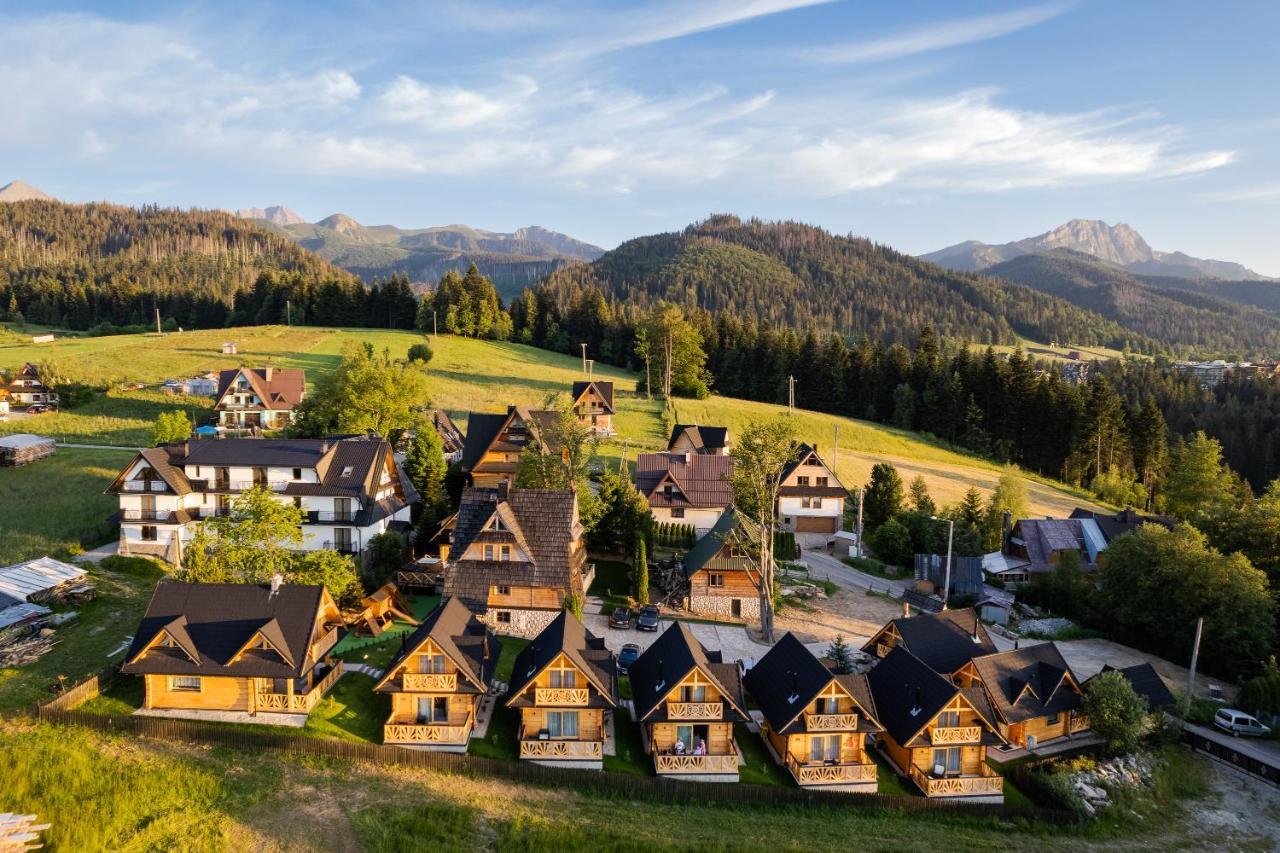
[(258, 398), (935, 733), (437, 679), (1036, 697), (247, 652), (723, 577), (811, 496), (494, 443), (816, 721), (685, 488), (593, 405), (515, 555), (687, 700), (692, 438), (565, 684), (945, 641)]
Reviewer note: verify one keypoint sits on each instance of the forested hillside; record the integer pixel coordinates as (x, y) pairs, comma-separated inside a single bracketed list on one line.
[(799, 276), (1195, 320)]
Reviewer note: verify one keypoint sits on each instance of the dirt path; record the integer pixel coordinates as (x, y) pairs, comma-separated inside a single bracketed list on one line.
[(851, 613)]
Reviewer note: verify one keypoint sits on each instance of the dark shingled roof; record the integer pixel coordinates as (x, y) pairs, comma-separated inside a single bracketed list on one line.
[(668, 661), (603, 388), (700, 480), (945, 640), (1146, 683), (1122, 522), (706, 439), (789, 677), (901, 684), (482, 429), (584, 649), (283, 390), (462, 637), (541, 522), (450, 436), (1028, 682), (166, 461), (211, 622)]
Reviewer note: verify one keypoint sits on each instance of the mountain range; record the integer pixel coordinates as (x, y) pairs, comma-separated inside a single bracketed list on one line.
[(513, 260), (1117, 244), (22, 191)]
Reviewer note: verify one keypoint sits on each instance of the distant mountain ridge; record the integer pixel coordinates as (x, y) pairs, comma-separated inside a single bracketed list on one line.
[(513, 260), (277, 215), (22, 191), (1117, 244)]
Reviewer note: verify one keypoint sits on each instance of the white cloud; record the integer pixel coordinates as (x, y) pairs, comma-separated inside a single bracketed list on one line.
[(448, 107), (1260, 192), (939, 36), (92, 144)]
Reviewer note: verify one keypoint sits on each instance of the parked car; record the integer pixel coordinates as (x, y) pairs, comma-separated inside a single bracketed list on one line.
[(1236, 723), (37, 409), (629, 654), (620, 618), (648, 620)]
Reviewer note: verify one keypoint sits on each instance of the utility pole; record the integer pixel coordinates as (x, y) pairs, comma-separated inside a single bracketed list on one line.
[(591, 369), (1191, 675), (288, 312), (584, 357), (860, 492), (791, 395), (158, 332), (435, 331), (622, 460)]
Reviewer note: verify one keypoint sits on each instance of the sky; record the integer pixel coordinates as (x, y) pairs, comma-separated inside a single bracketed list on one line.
[(916, 124)]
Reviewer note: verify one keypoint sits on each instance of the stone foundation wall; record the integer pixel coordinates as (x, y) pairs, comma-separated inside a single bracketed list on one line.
[(524, 623), (722, 605)]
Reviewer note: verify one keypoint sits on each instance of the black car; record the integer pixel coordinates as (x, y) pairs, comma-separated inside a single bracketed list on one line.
[(648, 620), (630, 652), (620, 618)]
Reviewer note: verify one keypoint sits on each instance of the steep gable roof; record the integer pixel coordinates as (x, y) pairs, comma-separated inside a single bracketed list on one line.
[(1146, 682), (945, 641), (568, 636), (482, 429), (462, 637), (789, 677), (908, 694), (700, 480), (603, 388), (1028, 682), (669, 660), (276, 388), (804, 454), (706, 439), (1125, 521), (725, 529)]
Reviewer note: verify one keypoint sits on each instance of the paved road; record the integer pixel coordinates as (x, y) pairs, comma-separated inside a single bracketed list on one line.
[(1266, 751), (825, 566)]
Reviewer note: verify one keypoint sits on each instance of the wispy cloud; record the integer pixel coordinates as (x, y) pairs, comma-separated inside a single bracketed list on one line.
[(1260, 192), (938, 36)]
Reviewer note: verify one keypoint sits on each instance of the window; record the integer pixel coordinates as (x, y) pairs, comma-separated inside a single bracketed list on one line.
[(297, 473), (817, 503), (564, 678), (693, 694), (297, 502), (715, 580), (346, 470), (488, 552), (433, 709), (667, 491), (826, 705), (504, 617), (948, 760), (342, 539), (431, 664), (185, 683), (948, 719), (148, 533), (823, 481), (684, 734), (506, 552), (824, 748), (503, 589), (562, 724), (804, 502), (802, 481), (497, 523), (1052, 720), (677, 512)]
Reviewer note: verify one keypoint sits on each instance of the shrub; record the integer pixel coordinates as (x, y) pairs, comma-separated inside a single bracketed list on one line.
[(1116, 712)]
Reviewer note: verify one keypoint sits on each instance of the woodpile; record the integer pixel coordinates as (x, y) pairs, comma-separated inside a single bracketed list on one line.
[(26, 650), (24, 448)]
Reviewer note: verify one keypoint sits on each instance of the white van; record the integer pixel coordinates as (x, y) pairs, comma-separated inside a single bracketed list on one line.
[(1239, 723)]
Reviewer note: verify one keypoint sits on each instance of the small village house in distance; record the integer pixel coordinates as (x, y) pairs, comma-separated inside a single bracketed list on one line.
[(723, 577), (238, 652), (687, 700), (935, 733), (945, 641), (437, 679), (258, 397), (564, 684), (494, 443), (1035, 695), (816, 721), (685, 488), (349, 490), (514, 556), (811, 497), (593, 405), (26, 389), (691, 438)]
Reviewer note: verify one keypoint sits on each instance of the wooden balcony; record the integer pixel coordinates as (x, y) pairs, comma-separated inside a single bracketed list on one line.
[(325, 643), (298, 703), (435, 682), (1078, 722), (561, 696), (953, 735), (831, 774), (429, 733), (677, 764), (695, 710), (564, 750), (883, 649), (984, 784), (830, 722)]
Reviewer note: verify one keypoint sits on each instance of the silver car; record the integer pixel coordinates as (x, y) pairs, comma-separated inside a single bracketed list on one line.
[(1238, 723)]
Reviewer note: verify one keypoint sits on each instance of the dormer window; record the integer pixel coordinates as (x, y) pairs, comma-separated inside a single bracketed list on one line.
[(667, 491), (347, 469)]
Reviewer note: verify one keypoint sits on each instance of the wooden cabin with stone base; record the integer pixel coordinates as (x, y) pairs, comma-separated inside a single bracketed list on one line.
[(565, 686), (437, 680), (1035, 695), (817, 722), (687, 700), (722, 576)]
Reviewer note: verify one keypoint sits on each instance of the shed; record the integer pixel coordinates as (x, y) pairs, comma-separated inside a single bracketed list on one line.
[(42, 338), (24, 448), (38, 580), (228, 347), (845, 544)]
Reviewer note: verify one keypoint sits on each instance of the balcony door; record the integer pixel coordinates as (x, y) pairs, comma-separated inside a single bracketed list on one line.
[(947, 760), (824, 748), (221, 478), (342, 509), (148, 506), (693, 739), (433, 709), (562, 724), (342, 539)]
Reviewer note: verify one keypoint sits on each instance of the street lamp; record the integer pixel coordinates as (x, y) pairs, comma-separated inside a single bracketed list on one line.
[(946, 585)]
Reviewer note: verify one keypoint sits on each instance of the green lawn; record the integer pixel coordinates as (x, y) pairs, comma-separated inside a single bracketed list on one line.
[(629, 755), (888, 781), (612, 583), (759, 767), (351, 711), (56, 505), (119, 418), (511, 646), (123, 588), (502, 738)]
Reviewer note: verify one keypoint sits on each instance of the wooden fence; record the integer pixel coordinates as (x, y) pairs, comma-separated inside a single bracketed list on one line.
[(1267, 770), (609, 784), (80, 693)]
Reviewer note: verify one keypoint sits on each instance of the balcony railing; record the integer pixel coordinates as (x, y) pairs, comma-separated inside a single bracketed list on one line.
[(444, 682), (246, 485), (325, 643), (327, 517), (569, 750), (695, 710), (984, 784), (726, 763), (1078, 722), (558, 696), (156, 515), (830, 722), (939, 735), (299, 703), (426, 733), (145, 486), (830, 774), (340, 547), (214, 511)]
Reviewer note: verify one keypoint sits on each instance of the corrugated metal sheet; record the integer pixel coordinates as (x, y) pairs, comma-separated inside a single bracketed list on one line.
[(33, 577), (19, 613)]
